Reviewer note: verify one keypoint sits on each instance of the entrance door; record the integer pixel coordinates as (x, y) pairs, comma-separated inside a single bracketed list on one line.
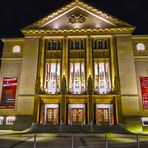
[(102, 116), (52, 116), (76, 114)]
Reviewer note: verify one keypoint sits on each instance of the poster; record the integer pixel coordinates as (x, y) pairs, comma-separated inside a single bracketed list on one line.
[(144, 91), (7, 100)]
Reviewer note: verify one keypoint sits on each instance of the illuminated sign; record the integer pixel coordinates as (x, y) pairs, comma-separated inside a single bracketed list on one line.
[(7, 100), (144, 91)]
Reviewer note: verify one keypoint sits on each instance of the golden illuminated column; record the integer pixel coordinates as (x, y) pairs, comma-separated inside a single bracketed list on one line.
[(65, 60), (41, 63), (89, 65), (89, 72), (64, 73), (114, 72)]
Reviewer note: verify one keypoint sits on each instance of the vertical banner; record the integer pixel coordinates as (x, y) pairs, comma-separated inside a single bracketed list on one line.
[(144, 91), (7, 100)]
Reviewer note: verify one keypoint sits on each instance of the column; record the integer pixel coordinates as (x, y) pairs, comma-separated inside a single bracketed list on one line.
[(64, 73), (89, 70), (42, 64)]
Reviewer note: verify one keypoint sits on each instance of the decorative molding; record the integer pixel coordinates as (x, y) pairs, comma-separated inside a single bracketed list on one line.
[(77, 4), (73, 31), (13, 40), (80, 18)]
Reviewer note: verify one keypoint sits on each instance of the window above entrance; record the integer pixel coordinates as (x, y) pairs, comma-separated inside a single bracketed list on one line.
[(52, 78), (77, 78), (102, 77)]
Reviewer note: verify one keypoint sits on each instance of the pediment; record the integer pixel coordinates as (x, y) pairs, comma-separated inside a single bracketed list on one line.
[(78, 15)]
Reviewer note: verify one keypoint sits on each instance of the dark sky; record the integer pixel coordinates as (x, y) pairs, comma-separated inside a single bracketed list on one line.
[(16, 14)]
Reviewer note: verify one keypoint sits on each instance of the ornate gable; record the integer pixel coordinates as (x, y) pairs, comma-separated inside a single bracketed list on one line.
[(77, 15)]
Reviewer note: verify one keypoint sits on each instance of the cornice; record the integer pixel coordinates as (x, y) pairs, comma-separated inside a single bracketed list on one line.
[(135, 37), (79, 31), (12, 40)]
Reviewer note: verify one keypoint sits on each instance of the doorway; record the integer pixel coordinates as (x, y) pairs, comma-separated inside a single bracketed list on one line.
[(51, 114), (104, 114), (76, 114)]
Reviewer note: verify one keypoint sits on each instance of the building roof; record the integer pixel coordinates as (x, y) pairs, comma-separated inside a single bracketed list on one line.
[(77, 15)]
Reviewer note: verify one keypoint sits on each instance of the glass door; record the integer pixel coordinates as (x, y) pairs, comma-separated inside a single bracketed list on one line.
[(52, 116), (76, 114), (104, 114)]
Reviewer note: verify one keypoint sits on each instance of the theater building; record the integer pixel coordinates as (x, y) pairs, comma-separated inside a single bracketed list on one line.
[(76, 66)]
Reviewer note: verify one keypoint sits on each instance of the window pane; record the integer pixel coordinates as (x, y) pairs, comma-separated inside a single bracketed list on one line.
[(52, 82), (77, 78), (102, 81)]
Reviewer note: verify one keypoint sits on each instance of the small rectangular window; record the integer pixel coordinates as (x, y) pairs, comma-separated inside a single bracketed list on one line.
[(100, 44), (54, 45), (76, 44), (10, 120), (1, 120)]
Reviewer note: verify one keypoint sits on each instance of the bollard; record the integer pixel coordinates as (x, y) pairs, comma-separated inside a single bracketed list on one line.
[(138, 144), (61, 123), (72, 141), (91, 125), (34, 141), (106, 142)]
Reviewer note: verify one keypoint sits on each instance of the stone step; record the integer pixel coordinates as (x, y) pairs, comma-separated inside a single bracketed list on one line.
[(38, 128)]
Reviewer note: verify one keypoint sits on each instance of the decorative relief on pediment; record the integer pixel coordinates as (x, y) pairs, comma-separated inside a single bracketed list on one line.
[(79, 18)]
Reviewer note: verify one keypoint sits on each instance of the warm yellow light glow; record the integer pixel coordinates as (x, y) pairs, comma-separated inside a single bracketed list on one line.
[(140, 46), (16, 49), (89, 73)]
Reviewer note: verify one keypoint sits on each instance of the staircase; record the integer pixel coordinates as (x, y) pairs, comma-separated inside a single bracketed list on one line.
[(116, 129)]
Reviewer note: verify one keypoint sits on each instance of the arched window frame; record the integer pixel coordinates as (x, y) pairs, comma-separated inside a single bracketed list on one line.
[(140, 46)]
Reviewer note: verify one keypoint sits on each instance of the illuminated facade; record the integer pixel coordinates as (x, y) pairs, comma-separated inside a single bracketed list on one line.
[(77, 65)]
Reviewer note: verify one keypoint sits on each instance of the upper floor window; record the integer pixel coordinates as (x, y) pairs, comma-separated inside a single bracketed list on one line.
[(76, 44), (100, 44), (140, 46), (52, 78), (54, 45), (77, 77), (16, 49), (102, 77)]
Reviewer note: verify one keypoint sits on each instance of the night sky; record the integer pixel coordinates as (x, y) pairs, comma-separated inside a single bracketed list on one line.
[(16, 14)]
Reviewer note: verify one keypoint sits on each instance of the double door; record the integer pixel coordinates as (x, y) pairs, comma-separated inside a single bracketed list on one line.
[(102, 116), (52, 116), (76, 115)]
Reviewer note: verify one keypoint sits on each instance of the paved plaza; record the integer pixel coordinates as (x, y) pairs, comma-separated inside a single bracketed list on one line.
[(9, 139)]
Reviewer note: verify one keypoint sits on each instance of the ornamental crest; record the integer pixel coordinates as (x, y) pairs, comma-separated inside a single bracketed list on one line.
[(77, 18)]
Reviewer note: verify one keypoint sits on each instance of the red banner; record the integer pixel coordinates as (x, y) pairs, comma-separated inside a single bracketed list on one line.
[(9, 86), (144, 91)]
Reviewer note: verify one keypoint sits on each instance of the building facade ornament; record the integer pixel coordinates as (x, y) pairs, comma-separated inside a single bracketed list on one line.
[(63, 85), (79, 18), (90, 85)]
